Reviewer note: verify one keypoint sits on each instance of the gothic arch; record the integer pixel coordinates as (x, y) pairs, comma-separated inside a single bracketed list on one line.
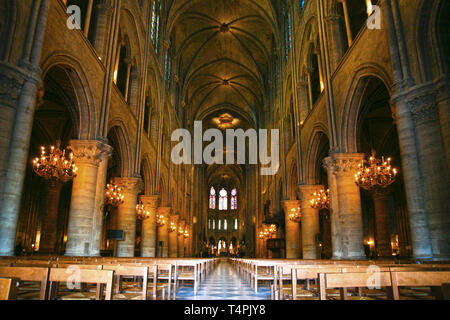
[(349, 117), (147, 175), (119, 132), (312, 162), (84, 110)]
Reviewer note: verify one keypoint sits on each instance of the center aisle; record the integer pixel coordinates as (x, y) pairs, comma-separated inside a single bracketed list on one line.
[(224, 283)]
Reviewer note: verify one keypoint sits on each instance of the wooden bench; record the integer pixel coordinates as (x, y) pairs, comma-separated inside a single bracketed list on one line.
[(8, 288), (98, 277), (434, 279), (29, 274)]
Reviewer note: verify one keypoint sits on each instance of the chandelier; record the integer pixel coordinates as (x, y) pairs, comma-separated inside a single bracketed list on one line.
[(186, 233), (180, 231), (172, 227), (113, 195), (141, 211), (160, 220), (375, 174), (55, 165), (268, 231), (295, 214), (321, 199)]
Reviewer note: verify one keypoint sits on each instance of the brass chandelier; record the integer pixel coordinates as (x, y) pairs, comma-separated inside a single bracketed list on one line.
[(160, 220), (141, 212), (267, 231), (321, 199), (186, 233), (113, 195), (375, 174), (55, 164), (295, 214), (172, 227)]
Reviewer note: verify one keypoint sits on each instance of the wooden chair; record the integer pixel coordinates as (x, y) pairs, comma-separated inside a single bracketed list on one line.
[(163, 278), (346, 280), (8, 288), (129, 271), (98, 277), (186, 271), (35, 274), (433, 279)]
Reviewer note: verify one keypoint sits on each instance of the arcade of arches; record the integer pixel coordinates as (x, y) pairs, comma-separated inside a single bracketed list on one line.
[(113, 90)]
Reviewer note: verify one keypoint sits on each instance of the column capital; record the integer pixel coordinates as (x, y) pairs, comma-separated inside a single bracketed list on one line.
[(306, 191), (130, 184), (152, 201), (90, 151), (289, 204), (343, 163), (423, 106), (174, 218), (165, 211)]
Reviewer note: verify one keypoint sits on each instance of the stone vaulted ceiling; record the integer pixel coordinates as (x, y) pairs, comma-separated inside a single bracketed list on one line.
[(223, 53)]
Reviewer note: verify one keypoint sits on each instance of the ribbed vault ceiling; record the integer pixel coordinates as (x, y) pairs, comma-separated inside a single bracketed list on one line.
[(223, 50)]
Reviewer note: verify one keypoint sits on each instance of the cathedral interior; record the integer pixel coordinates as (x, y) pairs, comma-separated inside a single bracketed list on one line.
[(354, 97)]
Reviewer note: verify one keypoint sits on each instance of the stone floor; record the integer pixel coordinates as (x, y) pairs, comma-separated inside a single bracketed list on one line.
[(223, 283)]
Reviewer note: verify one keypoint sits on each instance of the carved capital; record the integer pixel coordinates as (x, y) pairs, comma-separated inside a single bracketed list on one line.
[(11, 83), (90, 151), (152, 201), (343, 163), (424, 108), (130, 185), (306, 191)]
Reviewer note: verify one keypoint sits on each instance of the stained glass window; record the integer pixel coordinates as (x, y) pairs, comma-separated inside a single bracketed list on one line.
[(155, 23), (233, 199), (212, 198), (235, 224), (225, 224), (223, 199)]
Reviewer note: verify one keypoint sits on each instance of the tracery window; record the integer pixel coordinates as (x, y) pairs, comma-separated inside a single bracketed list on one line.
[(212, 198), (156, 12), (223, 199), (233, 202)]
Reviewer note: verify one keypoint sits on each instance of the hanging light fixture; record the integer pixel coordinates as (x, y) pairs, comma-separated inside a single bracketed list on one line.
[(56, 164), (375, 174), (272, 229), (172, 227), (186, 233), (295, 214), (142, 212), (113, 195), (321, 199), (180, 231), (160, 220)]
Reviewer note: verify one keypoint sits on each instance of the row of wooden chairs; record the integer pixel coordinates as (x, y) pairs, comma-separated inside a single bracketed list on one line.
[(283, 276), (165, 276)]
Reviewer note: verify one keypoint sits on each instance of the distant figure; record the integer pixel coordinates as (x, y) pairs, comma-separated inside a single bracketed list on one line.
[(19, 249)]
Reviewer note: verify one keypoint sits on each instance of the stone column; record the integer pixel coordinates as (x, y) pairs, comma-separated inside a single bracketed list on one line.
[(425, 113), (97, 224), (163, 231), (181, 224), (87, 155), (333, 26), (349, 204), (126, 214), (335, 220), (347, 23), (383, 239), (173, 237), (149, 246), (104, 12), (310, 221), (187, 252), (291, 234), (50, 221)]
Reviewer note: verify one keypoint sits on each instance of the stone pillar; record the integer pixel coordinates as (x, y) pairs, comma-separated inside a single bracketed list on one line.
[(97, 224), (291, 233), (126, 214), (425, 113), (333, 26), (347, 22), (187, 252), (87, 155), (382, 234), (335, 220), (149, 246), (349, 204), (173, 237), (50, 221), (181, 224), (104, 12), (310, 221), (163, 231)]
